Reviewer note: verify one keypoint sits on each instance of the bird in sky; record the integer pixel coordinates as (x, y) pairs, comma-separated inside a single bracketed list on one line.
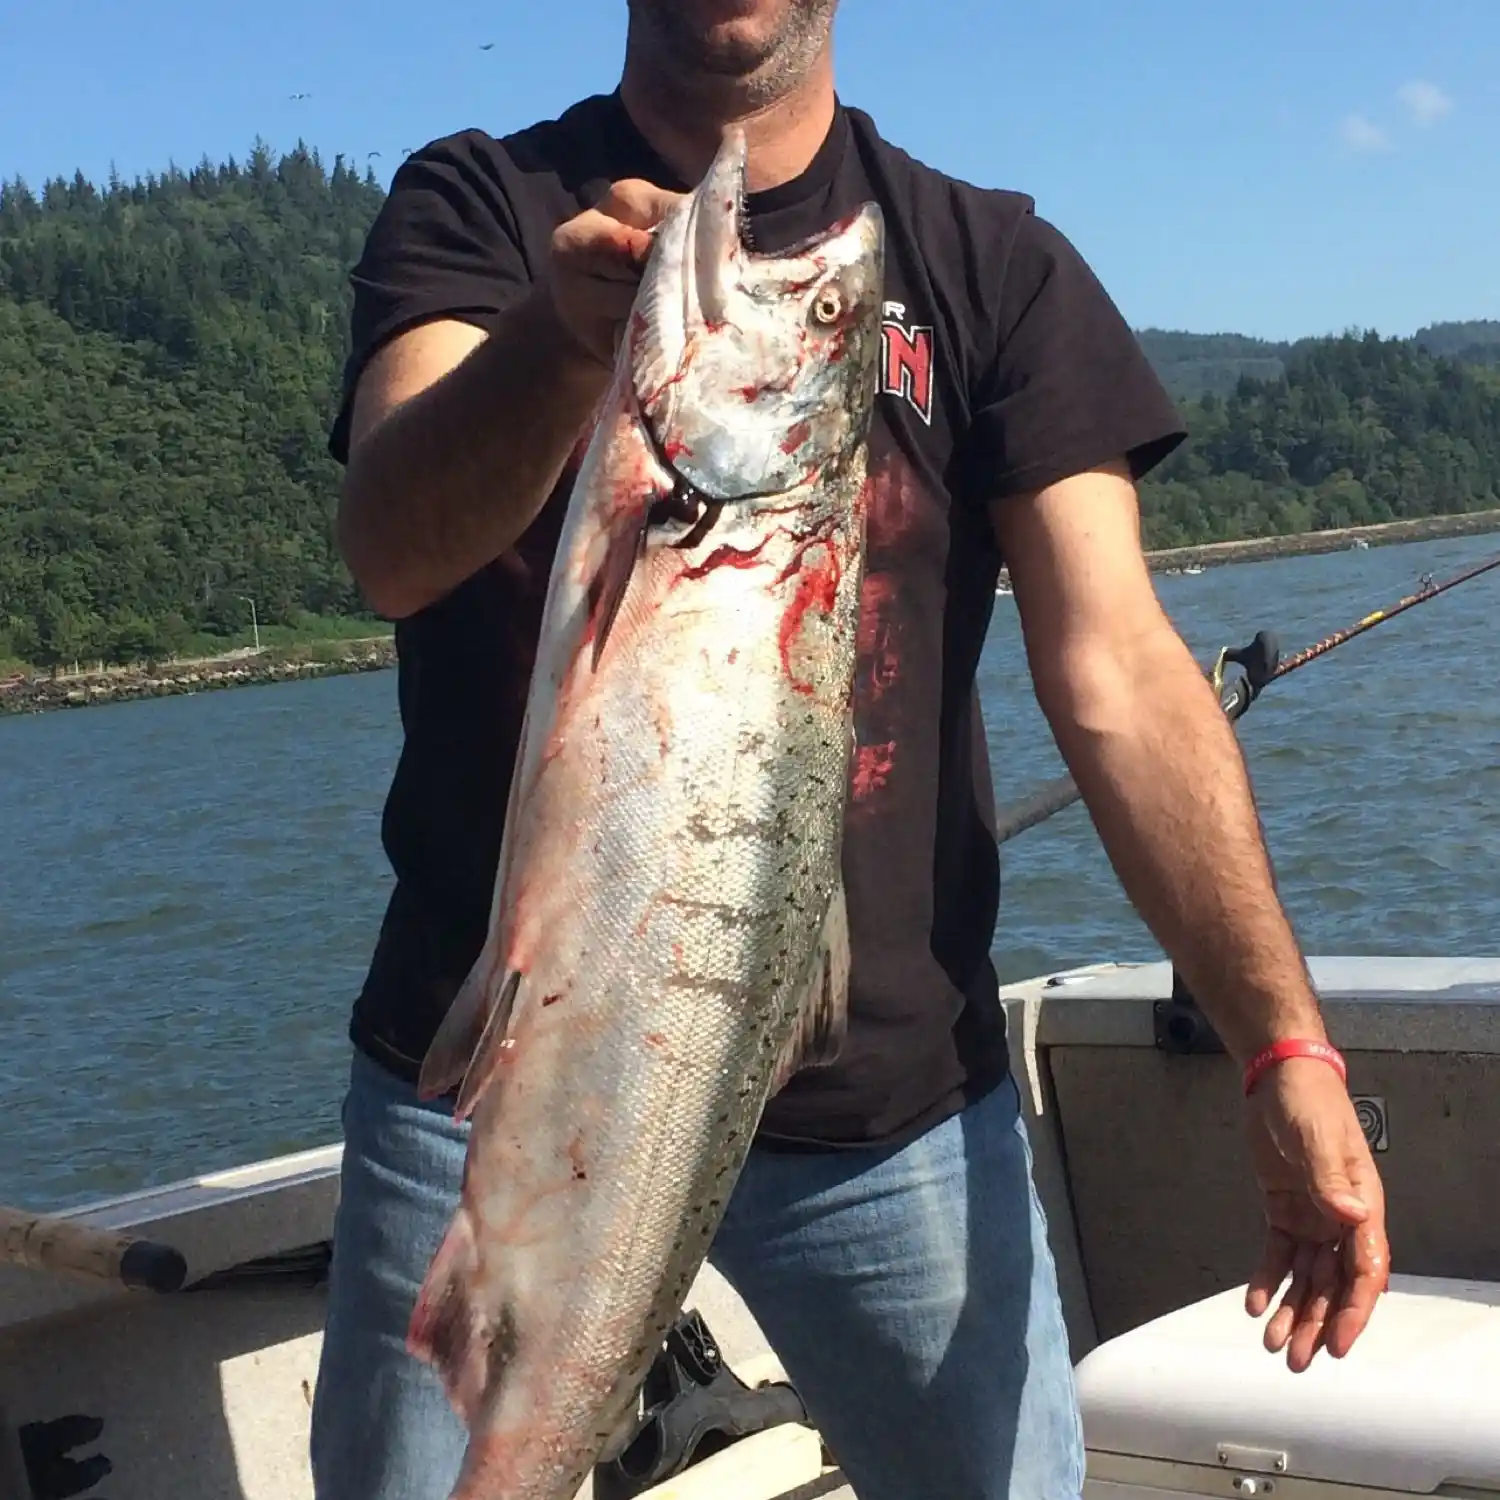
[(485, 46)]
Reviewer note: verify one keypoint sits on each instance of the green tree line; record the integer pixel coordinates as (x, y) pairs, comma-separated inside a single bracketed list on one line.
[(1358, 431), (170, 351)]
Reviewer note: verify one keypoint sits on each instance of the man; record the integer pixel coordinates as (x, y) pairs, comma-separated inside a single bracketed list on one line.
[(885, 1231)]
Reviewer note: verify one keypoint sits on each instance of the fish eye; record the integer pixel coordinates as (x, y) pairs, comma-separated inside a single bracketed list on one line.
[(828, 305)]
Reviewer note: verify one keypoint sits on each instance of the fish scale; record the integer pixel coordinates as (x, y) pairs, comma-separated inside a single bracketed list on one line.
[(668, 941)]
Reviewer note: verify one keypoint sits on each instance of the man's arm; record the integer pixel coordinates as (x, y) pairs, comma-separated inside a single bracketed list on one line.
[(1153, 755), (1161, 772), (456, 440)]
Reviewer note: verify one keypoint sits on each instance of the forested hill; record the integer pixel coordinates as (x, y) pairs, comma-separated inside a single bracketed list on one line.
[(169, 353), (1194, 364), (169, 356)]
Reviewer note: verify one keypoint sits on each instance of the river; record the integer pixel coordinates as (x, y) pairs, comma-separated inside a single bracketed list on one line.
[(191, 886)]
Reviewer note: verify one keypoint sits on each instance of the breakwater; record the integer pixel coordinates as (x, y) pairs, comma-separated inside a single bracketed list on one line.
[(1309, 543), (1306, 543), (39, 693)]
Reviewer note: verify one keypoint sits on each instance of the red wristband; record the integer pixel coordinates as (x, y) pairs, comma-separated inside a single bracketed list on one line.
[(1288, 1048)]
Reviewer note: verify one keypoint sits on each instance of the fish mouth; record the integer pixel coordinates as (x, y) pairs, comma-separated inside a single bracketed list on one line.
[(742, 386), (716, 234)]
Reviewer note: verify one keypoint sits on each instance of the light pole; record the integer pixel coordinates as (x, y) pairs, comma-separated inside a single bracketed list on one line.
[(254, 623)]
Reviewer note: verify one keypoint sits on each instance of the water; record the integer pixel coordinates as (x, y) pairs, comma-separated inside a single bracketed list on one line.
[(191, 886)]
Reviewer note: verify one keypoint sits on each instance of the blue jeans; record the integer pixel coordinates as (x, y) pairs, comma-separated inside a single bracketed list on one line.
[(909, 1294)]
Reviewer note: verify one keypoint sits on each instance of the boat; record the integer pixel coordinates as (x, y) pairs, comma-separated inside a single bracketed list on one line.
[(204, 1392)]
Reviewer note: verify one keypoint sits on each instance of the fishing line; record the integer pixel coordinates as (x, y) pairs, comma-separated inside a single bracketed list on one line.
[(1260, 663)]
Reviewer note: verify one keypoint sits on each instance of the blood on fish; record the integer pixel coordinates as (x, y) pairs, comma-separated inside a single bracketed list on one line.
[(817, 588), (649, 400), (724, 557), (550, 1000), (675, 448), (796, 436)]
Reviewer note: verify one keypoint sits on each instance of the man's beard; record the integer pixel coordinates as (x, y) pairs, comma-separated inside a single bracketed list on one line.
[(760, 69)]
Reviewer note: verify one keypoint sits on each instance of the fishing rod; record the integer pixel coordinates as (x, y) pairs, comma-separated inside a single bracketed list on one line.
[(1261, 664)]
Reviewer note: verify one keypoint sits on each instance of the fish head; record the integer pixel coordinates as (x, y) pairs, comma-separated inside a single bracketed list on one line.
[(755, 373)]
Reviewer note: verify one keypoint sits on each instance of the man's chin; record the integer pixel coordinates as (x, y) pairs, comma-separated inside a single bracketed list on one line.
[(731, 56), (752, 46), (727, 38)]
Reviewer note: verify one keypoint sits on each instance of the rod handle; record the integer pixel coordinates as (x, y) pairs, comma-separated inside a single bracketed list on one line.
[(43, 1242)]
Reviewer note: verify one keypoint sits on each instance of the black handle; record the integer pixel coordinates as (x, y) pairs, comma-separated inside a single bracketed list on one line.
[(1258, 662)]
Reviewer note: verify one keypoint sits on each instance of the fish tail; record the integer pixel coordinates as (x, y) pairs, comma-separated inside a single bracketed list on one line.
[(448, 1329)]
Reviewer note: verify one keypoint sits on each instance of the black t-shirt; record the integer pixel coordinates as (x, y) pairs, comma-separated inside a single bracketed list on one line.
[(1005, 367)]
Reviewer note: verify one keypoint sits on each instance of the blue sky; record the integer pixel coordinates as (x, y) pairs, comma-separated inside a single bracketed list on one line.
[(1276, 168)]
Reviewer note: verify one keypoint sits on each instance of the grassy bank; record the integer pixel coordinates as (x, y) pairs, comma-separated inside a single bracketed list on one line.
[(25, 691), (309, 634)]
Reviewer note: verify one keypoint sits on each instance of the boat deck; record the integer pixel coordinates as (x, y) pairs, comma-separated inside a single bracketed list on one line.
[(204, 1394)]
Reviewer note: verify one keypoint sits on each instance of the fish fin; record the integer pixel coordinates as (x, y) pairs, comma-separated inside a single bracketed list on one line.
[(490, 1051), (607, 589), (470, 1019), (447, 1327), (823, 1014)]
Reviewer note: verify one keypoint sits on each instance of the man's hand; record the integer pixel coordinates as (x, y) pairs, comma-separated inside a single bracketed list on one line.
[(1325, 1212), (597, 258)]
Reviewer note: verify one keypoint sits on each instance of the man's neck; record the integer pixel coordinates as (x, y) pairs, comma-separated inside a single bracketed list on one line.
[(781, 138)]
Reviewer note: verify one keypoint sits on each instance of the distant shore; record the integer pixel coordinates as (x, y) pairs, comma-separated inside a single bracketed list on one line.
[(39, 692)]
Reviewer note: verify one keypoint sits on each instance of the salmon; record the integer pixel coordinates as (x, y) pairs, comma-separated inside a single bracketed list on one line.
[(668, 940)]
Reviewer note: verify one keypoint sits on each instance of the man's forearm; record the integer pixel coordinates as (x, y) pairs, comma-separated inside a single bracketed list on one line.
[(1161, 772), (451, 477)]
